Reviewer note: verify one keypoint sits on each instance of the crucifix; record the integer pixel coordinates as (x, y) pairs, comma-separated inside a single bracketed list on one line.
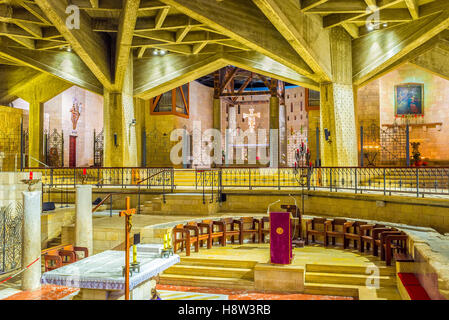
[(128, 213), (251, 119)]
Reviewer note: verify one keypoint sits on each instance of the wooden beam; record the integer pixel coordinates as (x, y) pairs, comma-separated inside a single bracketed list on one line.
[(413, 6), (228, 80), (160, 18), (260, 64), (62, 64), (378, 50), (310, 4), (125, 35), (243, 21), (307, 42), (158, 74), (352, 29), (243, 87), (91, 47), (336, 19)]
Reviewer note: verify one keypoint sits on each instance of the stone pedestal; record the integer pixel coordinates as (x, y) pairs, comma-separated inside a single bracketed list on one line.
[(31, 245), (83, 224)]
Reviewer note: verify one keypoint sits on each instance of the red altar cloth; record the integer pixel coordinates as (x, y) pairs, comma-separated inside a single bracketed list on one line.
[(280, 238)]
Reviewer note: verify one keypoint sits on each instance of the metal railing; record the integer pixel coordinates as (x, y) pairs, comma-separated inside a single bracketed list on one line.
[(108, 177), (387, 180)]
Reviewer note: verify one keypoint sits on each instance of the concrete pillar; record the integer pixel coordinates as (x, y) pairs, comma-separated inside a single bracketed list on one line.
[(337, 108), (217, 114), (314, 123), (36, 133), (83, 223), (120, 139), (232, 127), (274, 125), (283, 159), (31, 246), (140, 111)]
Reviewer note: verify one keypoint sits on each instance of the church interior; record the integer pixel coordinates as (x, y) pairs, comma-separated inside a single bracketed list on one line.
[(224, 150)]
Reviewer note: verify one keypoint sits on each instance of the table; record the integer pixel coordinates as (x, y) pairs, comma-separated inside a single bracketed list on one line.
[(100, 276)]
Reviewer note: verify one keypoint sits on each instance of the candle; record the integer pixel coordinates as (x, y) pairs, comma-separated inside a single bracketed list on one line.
[(134, 254), (31, 175), (165, 241), (84, 171)]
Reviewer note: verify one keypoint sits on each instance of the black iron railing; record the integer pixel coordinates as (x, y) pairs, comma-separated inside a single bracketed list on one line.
[(386, 180)]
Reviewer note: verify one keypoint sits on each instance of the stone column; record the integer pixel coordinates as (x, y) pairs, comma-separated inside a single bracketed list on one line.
[(337, 106), (274, 125), (120, 142), (31, 246), (217, 113), (140, 111), (36, 133), (283, 158), (83, 223), (232, 127)]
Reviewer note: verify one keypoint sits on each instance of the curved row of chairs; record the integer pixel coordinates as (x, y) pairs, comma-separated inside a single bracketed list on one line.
[(375, 238), (364, 236), (209, 231)]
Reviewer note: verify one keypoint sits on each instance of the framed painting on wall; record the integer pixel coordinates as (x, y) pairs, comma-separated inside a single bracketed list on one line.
[(409, 99)]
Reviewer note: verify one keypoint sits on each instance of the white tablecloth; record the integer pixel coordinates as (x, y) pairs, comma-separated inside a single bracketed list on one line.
[(103, 271)]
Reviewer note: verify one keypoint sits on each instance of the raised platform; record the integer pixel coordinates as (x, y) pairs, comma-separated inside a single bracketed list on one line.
[(315, 270)]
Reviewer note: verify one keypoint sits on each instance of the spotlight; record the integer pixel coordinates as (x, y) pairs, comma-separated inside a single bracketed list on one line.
[(162, 52), (385, 25), (69, 49), (155, 52)]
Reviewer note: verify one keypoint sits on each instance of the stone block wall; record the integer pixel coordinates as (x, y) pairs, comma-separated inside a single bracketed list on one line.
[(10, 135), (376, 104)]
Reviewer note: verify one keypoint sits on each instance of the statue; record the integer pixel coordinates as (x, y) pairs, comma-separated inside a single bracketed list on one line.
[(76, 113), (416, 154)]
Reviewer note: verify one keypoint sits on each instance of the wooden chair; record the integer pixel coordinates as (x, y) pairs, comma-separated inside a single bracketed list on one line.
[(179, 237), (229, 229), (335, 229), (393, 242), (352, 233), (316, 227), (264, 228), (366, 237), (216, 231), (247, 225), (62, 255), (204, 233), (377, 241)]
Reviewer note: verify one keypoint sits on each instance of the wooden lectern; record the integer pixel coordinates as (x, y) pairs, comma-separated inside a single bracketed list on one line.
[(280, 238)]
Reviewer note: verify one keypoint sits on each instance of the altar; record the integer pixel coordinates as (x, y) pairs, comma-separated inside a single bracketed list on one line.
[(100, 277)]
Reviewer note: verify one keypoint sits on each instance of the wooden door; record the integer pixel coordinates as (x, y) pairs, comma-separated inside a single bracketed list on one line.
[(72, 152)]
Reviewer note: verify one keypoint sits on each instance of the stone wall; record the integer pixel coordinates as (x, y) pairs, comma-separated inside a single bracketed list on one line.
[(160, 127), (57, 116), (10, 119), (376, 104)]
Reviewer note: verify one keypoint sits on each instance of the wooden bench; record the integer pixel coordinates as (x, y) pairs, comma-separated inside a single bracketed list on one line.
[(59, 256)]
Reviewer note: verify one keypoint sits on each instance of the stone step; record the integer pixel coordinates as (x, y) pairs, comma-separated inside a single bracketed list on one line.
[(327, 289), (209, 271), (201, 281), (348, 279), (350, 269), (192, 261)]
